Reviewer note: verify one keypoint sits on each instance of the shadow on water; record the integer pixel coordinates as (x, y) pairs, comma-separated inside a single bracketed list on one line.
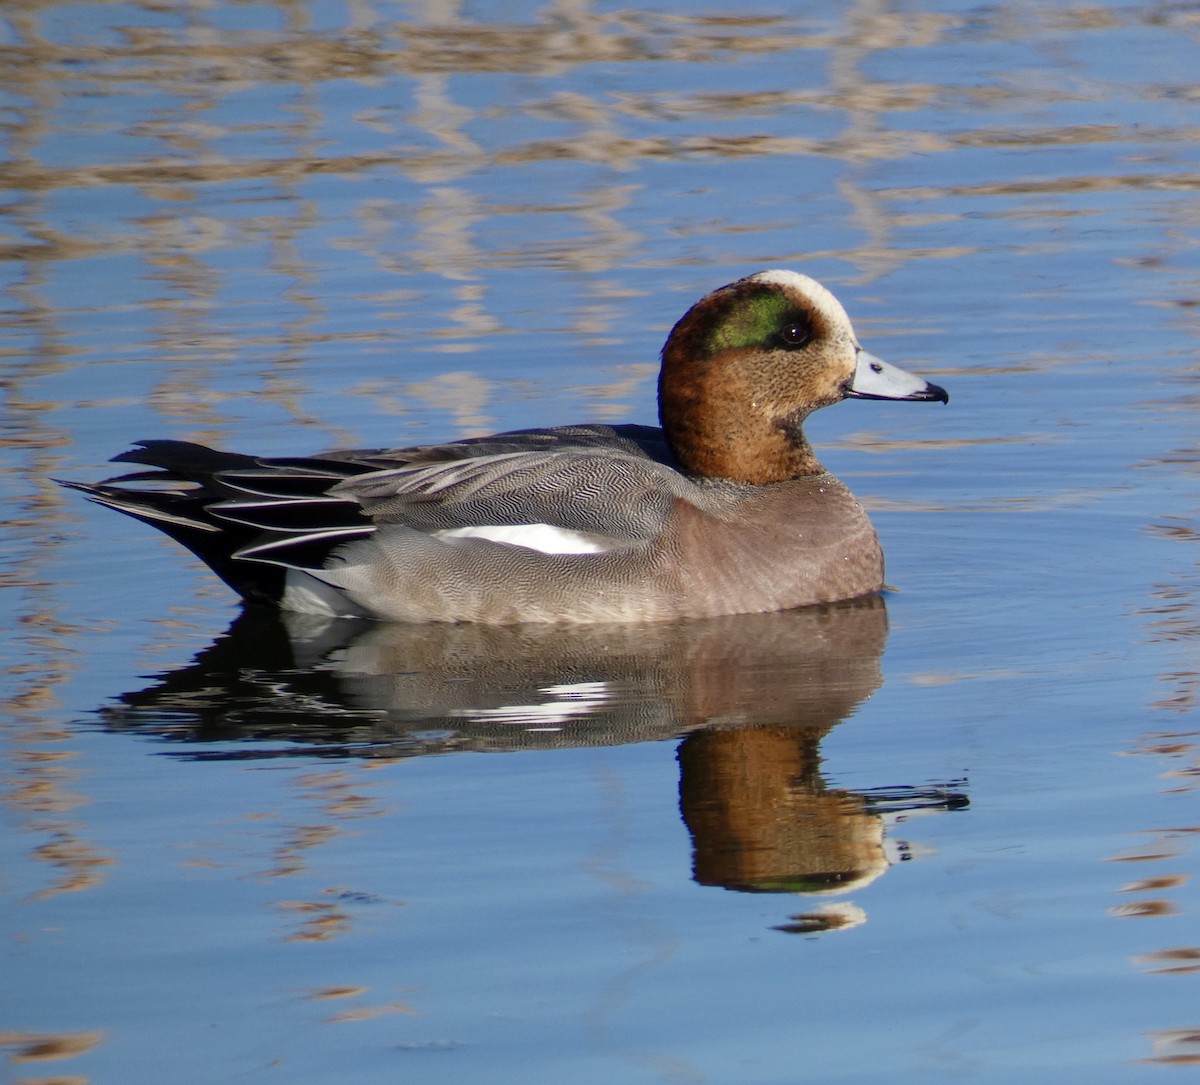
[(750, 696)]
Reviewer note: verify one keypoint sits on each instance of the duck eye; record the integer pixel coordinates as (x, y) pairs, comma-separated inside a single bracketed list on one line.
[(797, 333)]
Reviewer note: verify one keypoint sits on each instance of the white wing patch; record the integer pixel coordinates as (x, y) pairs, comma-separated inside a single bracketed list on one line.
[(546, 538)]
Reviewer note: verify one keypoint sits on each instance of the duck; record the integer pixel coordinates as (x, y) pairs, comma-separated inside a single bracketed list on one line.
[(721, 509)]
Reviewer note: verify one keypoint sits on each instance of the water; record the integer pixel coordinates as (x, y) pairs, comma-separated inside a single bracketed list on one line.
[(951, 834)]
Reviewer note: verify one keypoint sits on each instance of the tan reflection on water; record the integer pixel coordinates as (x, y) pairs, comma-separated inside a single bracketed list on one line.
[(1175, 1047), (1170, 845), (337, 797), (42, 786), (1179, 961), (360, 1012), (370, 1013), (1173, 618), (37, 1047)]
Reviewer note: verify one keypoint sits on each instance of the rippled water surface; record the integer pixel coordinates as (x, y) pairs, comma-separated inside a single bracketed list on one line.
[(947, 834)]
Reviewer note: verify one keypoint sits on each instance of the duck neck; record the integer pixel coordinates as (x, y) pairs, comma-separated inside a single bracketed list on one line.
[(716, 437)]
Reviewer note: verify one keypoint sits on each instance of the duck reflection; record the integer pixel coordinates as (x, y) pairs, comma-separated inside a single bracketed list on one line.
[(763, 819), (751, 695)]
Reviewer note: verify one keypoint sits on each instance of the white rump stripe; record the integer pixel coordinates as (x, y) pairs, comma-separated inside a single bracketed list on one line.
[(546, 538)]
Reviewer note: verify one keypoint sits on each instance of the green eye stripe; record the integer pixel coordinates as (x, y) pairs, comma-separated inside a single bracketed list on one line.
[(750, 322)]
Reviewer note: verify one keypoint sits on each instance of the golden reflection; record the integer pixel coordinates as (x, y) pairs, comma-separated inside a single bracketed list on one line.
[(41, 776), (1180, 749), (1175, 1047), (1143, 909), (1154, 884), (57, 1079), (357, 1013), (49, 1046), (1180, 182), (336, 797), (1180, 961), (330, 915), (370, 1013), (40, 788), (1173, 617), (322, 920), (327, 993), (1154, 890)]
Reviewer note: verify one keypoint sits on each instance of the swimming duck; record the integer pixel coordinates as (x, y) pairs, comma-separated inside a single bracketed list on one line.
[(724, 510)]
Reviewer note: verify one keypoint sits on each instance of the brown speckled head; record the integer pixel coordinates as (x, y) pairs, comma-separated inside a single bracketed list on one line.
[(742, 370)]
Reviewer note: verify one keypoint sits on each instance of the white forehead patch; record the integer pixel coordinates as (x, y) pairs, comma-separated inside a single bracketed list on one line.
[(821, 298)]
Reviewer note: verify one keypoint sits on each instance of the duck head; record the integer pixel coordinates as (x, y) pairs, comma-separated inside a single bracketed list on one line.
[(748, 363)]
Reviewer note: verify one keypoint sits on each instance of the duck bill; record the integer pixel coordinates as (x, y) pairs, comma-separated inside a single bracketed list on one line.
[(876, 379)]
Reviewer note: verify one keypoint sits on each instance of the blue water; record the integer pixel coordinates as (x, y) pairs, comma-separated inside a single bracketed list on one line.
[(953, 836)]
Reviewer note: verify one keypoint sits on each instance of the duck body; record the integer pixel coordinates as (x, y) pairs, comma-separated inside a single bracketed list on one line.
[(722, 510)]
